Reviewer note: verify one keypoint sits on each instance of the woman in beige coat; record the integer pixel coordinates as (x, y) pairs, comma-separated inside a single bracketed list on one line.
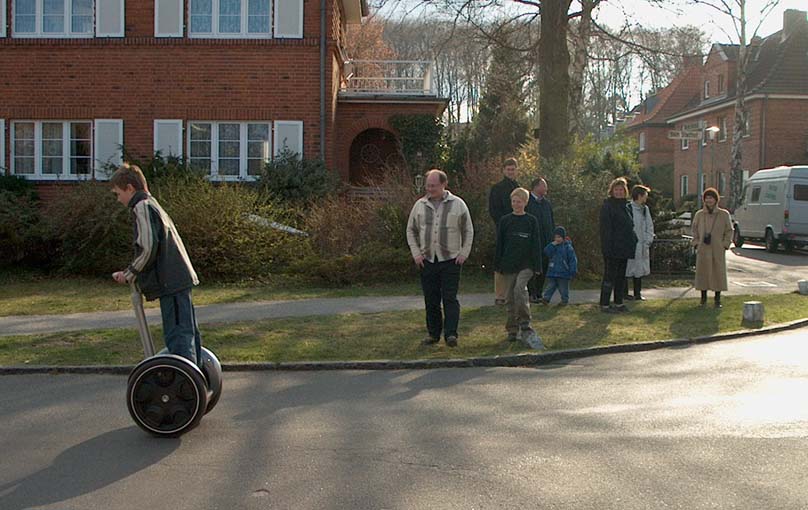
[(712, 234)]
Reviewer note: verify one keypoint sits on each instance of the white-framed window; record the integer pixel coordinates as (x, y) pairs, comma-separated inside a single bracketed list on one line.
[(722, 129), (720, 84), (229, 150), (65, 150), (683, 186), (67, 18), (642, 141), (2, 18), (747, 129), (230, 18), (685, 144), (706, 89)]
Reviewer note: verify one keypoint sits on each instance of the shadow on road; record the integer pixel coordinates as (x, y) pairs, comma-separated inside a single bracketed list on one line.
[(781, 258), (87, 467)]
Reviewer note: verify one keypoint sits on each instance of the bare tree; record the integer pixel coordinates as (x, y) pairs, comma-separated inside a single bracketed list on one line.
[(736, 10)]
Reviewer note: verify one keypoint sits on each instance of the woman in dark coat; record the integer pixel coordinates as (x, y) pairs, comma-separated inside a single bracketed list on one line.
[(618, 242)]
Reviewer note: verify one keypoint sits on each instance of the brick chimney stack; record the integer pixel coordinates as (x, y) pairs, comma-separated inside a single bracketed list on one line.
[(793, 21)]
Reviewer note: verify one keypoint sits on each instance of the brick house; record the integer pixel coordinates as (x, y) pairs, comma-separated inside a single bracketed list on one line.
[(776, 126), (649, 125), (225, 83)]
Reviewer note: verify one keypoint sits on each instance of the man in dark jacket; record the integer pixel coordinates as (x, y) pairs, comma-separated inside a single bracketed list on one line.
[(499, 204), (540, 207)]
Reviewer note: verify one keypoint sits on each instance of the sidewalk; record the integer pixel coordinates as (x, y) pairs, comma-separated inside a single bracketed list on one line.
[(259, 310)]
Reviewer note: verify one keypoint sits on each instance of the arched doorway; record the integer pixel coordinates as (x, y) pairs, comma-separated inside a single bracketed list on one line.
[(372, 152)]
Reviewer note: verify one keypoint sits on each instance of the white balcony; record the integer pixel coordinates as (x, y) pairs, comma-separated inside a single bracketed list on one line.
[(393, 78)]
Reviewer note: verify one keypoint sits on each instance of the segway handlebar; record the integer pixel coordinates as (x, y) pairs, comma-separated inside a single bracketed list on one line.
[(142, 325)]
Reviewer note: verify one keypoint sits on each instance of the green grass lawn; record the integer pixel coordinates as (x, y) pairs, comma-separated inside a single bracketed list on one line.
[(396, 335), (31, 294)]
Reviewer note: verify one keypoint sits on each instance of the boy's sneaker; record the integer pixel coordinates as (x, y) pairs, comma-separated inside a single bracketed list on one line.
[(531, 338), (451, 341), (430, 341)]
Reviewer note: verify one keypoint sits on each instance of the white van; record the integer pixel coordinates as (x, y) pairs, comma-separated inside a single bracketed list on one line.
[(774, 208)]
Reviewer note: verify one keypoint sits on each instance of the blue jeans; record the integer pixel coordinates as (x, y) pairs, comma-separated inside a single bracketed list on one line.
[(563, 286), (180, 331)]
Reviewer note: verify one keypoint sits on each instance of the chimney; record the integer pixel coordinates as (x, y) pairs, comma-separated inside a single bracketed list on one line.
[(793, 21)]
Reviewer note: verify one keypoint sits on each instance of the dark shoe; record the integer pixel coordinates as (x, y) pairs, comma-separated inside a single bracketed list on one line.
[(620, 308), (628, 297), (719, 305), (562, 304), (430, 341), (535, 300), (607, 309), (451, 341), (544, 301), (638, 297)]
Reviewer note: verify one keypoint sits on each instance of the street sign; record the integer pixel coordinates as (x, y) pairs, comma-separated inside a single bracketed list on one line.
[(683, 134)]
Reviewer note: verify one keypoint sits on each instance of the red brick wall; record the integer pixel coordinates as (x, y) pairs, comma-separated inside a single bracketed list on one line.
[(658, 148), (786, 132), (353, 118), (140, 78)]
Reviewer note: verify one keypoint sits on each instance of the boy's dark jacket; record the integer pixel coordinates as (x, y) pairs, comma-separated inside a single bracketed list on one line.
[(161, 266), (617, 237), (517, 245), (563, 261)]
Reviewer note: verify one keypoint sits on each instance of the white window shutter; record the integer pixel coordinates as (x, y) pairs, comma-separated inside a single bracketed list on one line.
[(288, 135), (109, 16), (3, 145), (168, 137), (107, 143), (289, 19), (168, 16), (2, 19)]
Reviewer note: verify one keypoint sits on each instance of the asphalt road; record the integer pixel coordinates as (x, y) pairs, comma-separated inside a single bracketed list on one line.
[(721, 425), (752, 269)]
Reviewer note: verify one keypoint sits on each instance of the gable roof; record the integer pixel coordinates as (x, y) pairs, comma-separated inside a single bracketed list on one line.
[(777, 65), (668, 100)]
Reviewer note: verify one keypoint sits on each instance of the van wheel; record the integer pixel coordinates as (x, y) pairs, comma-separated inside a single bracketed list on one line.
[(737, 238), (788, 246), (771, 242)]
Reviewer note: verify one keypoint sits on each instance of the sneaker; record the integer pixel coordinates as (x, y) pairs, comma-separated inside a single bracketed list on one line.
[(430, 341), (451, 341)]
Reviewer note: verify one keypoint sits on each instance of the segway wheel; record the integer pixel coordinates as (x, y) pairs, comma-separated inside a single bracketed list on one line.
[(213, 375), (166, 395)]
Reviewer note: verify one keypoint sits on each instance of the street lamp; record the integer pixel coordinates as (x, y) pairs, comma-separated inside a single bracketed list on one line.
[(711, 133)]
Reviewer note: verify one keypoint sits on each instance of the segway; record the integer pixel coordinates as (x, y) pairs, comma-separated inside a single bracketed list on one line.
[(167, 395)]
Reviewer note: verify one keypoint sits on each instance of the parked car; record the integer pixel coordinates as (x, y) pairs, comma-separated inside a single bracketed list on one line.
[(774, 209)]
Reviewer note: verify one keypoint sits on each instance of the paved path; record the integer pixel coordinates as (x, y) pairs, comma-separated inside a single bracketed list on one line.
[(751, 270), (721, 425)]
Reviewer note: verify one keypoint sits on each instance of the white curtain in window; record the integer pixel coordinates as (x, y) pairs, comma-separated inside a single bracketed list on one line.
[(289, 19), (109, 18), (288, 136), (108, 141), (168, 18), (168, 137)]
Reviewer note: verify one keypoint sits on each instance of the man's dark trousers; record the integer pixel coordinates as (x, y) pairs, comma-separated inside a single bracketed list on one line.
[(440, 282)]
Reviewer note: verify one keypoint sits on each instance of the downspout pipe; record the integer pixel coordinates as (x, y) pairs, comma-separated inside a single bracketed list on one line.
[(323, 41)]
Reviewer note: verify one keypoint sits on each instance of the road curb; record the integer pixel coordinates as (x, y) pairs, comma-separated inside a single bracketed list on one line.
[(515, 360)]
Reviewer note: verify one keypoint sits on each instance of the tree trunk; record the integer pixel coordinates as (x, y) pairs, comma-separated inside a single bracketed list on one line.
[(554, 80), (736, 158), (580, 44)]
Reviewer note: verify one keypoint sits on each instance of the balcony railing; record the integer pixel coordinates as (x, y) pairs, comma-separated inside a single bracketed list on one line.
[(387, 77)]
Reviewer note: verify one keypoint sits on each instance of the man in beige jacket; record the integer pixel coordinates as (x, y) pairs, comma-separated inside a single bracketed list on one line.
[(440, 233)]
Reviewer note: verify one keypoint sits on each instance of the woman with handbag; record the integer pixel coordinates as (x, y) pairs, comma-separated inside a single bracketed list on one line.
[(712, 234)]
